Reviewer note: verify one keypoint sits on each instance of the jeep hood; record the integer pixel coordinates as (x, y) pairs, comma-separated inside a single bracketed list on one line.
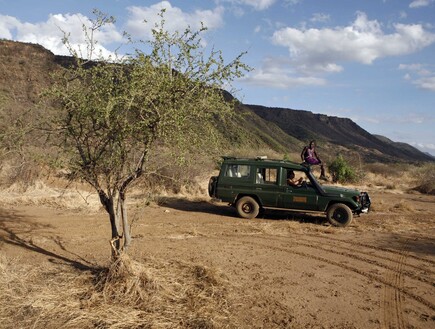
[(339, 190)]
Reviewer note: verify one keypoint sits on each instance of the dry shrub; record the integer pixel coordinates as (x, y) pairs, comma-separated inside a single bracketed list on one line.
[(39, 193), (128, 294), (397, 176), (402, 206), (17, 170), (386, 169), (426, 179), (426, 188)]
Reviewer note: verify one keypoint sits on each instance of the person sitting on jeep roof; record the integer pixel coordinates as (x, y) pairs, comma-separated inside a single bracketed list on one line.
[(291, 179), (310, 157)]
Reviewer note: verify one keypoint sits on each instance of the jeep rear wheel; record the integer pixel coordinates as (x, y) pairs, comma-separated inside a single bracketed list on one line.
[(247, 207), (339, 214)]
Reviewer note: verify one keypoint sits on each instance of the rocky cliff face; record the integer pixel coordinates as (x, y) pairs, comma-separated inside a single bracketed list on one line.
[(25, 72), (339, 132)]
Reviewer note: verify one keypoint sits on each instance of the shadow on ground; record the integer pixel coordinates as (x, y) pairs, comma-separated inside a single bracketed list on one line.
[(223, 209), (13, 226), (422, 245)]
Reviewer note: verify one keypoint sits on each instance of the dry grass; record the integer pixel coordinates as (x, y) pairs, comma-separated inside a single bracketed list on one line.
[(402, 206), (128, 294), (42, 193)]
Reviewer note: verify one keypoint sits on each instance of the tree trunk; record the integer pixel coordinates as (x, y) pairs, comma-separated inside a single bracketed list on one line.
[(116, 236), (114, 218), (124, 221)]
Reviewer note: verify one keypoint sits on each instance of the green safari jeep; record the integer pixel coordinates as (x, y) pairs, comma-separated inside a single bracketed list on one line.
[(252, 185)]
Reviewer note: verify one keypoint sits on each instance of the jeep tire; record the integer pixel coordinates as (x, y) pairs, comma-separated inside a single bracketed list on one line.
[(339, 214), (247, 207)]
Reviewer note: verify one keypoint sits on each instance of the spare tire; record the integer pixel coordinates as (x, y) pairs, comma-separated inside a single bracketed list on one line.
[(212, 186)]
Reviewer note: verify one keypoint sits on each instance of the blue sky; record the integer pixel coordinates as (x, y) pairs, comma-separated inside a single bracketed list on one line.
[(372, 61)]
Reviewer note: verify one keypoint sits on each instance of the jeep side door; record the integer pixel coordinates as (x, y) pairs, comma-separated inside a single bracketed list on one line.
[(266, 186), (304, 197)]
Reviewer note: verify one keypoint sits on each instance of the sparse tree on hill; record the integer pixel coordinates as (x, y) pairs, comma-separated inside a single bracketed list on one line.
[(111, 112)]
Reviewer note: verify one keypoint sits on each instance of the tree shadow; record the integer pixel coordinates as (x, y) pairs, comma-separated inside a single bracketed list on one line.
[(13, 225), (222, 209)]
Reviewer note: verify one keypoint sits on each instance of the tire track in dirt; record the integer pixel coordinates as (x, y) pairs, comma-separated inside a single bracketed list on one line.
[(355, 255), (392, 313), (392, 298), (387, 282), (392, 251)]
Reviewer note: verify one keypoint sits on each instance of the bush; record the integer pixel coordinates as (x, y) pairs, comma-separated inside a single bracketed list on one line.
[(341, 171), (426, 179)]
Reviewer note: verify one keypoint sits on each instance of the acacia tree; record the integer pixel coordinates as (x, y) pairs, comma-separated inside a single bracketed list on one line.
[(110, 113)]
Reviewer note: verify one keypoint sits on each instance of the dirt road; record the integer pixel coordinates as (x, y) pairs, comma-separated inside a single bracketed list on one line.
[(284, 270)]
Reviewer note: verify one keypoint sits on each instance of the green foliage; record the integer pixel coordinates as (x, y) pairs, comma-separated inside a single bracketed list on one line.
[(341, 171), (112, 113)]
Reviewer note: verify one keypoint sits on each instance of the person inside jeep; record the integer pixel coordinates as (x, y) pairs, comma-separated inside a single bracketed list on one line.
[(292, 181), (309, 156)]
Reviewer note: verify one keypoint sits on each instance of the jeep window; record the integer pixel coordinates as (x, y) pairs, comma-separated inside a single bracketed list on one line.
[(266, 176), (238, 171), (298, 176)]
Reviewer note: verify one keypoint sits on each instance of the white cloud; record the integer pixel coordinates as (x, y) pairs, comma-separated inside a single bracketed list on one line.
[(363, 41), (256, 4), (410, 67), (175, 18), (426, 146), (7, 25), (408, 117), (282, 80), (292, 2), (320, 18), (412, 118), (420, 3), (277, 73), (407, 76), (420, 75), (49, 34), (426, 83)]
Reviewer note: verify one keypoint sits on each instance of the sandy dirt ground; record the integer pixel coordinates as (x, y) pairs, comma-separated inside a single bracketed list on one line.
[(284, 270)]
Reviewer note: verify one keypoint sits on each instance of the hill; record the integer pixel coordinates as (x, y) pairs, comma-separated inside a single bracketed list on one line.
[(25, 71), (339, 133)]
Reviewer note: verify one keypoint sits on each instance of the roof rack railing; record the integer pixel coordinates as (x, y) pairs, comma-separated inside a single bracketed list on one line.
[(261, 157)]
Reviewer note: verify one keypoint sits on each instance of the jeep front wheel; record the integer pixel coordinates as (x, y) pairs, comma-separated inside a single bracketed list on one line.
[(247, 207), (339, 214)]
